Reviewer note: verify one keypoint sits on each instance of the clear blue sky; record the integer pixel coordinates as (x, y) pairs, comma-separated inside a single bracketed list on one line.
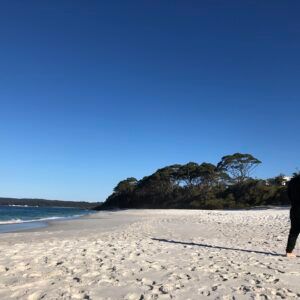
[(92, 92)]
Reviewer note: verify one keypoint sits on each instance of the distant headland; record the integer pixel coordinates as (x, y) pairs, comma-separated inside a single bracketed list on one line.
[(47, 203)]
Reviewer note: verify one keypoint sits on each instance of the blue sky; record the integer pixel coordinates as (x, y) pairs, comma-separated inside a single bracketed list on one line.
[(92, 92)]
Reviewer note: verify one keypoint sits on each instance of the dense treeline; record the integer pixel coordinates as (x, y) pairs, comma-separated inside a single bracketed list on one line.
[(203, 186), (47, 203)]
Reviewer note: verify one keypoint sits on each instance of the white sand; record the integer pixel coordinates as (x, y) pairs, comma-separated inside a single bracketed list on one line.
[(153, 254)]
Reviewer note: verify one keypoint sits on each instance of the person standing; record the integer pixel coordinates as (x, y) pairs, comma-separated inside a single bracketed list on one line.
[(294, 196)]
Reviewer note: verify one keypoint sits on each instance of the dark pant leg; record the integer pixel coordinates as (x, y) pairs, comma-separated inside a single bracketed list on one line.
[(295, 228), (294, 232)]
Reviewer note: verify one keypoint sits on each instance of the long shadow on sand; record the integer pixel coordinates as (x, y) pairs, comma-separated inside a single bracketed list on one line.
[(216, 247)]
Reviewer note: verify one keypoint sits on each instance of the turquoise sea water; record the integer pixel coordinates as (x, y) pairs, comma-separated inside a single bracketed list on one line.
[(14, 218)]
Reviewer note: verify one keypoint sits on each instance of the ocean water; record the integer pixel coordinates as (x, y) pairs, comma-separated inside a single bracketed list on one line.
[(14, 218)]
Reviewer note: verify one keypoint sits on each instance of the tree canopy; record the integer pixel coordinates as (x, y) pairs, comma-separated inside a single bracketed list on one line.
[(239, 166), (225, 185), (126, 186)]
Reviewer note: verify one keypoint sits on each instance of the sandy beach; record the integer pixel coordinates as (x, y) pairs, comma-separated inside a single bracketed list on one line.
[(153, 254)]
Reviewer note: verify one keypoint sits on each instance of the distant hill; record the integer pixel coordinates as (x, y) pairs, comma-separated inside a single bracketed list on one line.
[(48, 203)]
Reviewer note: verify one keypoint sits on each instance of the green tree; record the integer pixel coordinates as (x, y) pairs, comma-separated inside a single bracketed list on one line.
[(209, 174), (239, 166), (277, 181), (188, 174), (126, 186)]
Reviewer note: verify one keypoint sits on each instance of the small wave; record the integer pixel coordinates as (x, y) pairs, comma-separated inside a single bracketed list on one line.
[(18, 205), (18, 221), (13, 221)]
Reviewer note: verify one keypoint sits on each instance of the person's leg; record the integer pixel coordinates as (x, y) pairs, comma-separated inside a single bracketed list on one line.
[(294, 232)]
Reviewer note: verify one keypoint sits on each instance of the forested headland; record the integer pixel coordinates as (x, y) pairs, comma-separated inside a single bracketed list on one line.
[(227, 185)]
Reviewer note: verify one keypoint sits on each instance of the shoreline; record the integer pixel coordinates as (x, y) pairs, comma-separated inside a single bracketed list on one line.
[(22, 226), (35, 225), (152, 254), (25, 225)]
